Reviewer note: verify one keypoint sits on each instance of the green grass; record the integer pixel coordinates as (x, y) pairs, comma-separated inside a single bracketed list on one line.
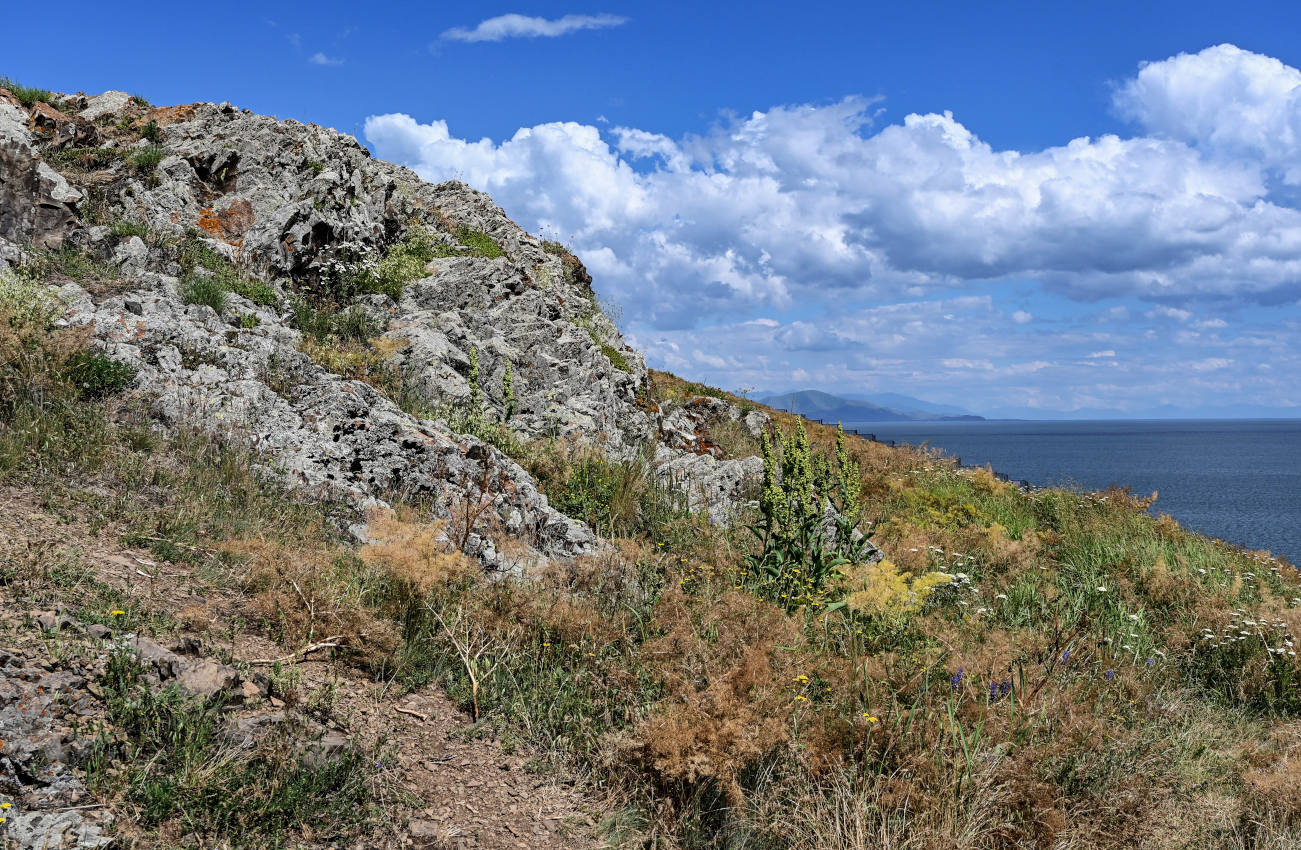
[(325, 322), (27, 95), (192, 253), (145, 160), (90, 159), (202, 289), (478, 243), (168, 758), (122, 228)]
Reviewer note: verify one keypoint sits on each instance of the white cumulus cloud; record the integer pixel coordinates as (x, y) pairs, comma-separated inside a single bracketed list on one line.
[(1226, 100), (803, 200), (523, 26), (816, 207)]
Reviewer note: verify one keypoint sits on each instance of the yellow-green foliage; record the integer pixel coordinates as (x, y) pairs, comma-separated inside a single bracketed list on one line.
[(24, 302), (885, 590)]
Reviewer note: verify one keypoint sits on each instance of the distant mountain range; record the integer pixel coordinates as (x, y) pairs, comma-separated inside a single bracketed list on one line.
[(882, 407)]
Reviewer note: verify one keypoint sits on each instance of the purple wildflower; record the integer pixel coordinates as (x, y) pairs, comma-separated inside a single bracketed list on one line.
[(1111, 674), (957, 679)]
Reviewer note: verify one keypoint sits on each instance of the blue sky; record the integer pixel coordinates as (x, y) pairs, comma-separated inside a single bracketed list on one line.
[(1013, 207)]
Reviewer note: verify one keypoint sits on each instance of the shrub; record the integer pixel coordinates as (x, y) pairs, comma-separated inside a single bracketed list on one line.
[(403, 262), (96, 376), (152, 132), (204, 289)]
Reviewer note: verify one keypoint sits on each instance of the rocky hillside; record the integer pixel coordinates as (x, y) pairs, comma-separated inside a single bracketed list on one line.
[(238, 245), (338, 513)]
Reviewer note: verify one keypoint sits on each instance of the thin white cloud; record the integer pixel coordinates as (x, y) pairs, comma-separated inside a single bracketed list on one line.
[(1022, 317), (1164, 312), (523, 26), (319, 58)]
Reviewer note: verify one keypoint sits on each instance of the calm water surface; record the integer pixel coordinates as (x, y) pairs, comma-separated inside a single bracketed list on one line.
[(1239, 480)]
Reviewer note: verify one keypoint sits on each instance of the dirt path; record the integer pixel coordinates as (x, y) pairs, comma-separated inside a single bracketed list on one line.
[(450, 788)]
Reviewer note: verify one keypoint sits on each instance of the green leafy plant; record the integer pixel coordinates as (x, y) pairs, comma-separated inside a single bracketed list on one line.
[(807, 535), (478, 243), (403, 262)]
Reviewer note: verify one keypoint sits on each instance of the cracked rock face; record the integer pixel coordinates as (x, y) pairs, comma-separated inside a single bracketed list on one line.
[(38, 745), (37, 205), (339, 439)]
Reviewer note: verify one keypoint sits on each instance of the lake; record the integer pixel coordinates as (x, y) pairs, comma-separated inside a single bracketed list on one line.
[(1239, 480)]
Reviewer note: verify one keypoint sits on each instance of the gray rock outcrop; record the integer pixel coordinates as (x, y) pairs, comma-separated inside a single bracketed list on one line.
[(304, 209)]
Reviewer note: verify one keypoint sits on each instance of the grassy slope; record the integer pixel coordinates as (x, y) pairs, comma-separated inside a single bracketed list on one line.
[(1060, 691)]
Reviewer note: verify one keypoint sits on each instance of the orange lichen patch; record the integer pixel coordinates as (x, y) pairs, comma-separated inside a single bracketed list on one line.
[(165, 115), (7, 96), (230, 224)]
